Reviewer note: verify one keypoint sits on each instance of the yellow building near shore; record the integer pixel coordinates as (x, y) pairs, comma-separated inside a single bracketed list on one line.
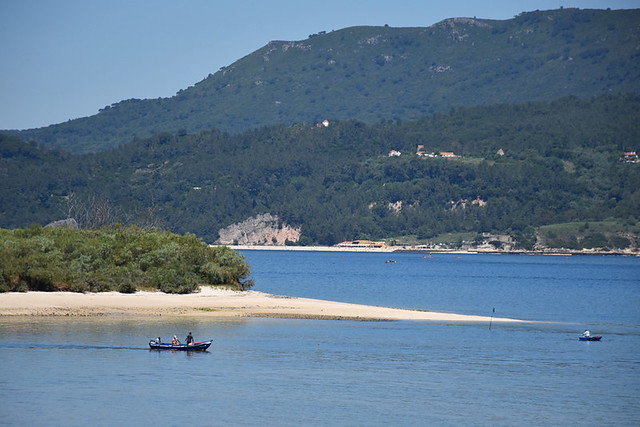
[(362, 244)]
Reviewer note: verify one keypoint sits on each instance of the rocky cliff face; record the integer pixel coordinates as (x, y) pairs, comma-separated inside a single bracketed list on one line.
[(263, 229)]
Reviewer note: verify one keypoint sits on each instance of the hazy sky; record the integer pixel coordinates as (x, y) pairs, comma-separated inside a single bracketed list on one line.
[(65, 59)]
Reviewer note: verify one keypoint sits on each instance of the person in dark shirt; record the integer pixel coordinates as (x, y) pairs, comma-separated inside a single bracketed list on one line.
[(189, 339)]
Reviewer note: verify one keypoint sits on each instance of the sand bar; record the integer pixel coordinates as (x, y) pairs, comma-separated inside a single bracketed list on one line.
[(210, 302)]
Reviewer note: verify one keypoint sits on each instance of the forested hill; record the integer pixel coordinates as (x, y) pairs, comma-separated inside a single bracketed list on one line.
[(518, 166), (374, 73)]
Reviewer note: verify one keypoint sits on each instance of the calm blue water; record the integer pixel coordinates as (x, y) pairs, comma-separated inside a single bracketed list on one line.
[(580, 289), (56, 371)]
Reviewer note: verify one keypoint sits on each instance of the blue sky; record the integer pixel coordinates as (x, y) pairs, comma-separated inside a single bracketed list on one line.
[(66, 59)]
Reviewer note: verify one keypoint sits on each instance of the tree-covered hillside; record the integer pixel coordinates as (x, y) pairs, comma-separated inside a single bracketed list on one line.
[(563, 162), (374, 73)]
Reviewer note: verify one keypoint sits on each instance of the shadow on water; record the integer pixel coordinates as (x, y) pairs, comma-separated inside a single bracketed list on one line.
[(71, 346)]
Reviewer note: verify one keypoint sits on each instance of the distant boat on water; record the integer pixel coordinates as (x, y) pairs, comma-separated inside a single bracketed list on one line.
[(590, 338), (197, 346)]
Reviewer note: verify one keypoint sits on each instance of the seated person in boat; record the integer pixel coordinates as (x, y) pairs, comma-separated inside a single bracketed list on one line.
[(586, 333), (189, 339), (175, 340)]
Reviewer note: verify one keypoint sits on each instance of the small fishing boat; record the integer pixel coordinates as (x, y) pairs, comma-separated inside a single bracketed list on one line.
[(196, 346), (590, 338)]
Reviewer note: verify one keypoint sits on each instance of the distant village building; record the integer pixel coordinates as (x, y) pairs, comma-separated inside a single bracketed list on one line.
[(631, 157), (324, 123), (394, 153), (432, 154), (421, 153), (446, 154), (500, 152), (362, 244)]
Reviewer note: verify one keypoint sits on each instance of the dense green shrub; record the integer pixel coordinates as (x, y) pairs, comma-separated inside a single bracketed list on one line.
[(595, 240), (117, 258), (620, 242)]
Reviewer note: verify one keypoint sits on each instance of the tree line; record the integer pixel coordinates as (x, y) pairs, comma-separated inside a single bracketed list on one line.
[(561, 164)]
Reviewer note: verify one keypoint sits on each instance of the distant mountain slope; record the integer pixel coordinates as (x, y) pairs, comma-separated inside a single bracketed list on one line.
[(533, 164), (374, 73)]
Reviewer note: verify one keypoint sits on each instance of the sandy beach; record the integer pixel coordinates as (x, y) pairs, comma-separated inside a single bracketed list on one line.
[(210, 302)]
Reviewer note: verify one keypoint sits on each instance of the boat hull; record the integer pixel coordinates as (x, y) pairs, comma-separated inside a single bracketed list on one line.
[(198, 346), (595, 338)]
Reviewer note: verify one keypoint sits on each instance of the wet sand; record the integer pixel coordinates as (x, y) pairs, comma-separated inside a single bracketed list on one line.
[(211, 302)]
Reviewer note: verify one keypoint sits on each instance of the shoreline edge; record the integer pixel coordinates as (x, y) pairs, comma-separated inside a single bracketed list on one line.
[(214, 303)]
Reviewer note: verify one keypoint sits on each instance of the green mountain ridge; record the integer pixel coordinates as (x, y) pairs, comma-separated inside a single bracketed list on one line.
[(563, 162), (383, 73)]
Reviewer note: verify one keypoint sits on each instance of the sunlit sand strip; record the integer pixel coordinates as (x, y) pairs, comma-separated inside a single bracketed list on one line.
[(309, 248), (217, 303)]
